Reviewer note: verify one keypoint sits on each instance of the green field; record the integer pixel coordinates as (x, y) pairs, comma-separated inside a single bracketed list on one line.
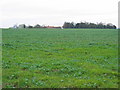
[(60, 58)]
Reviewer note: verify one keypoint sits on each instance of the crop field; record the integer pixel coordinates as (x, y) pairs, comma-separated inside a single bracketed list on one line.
[(60, 58)]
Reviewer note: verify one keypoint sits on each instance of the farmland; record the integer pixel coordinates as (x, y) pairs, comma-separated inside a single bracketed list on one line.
[(60, 58)]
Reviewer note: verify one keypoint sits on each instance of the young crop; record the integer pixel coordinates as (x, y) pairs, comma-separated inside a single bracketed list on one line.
[(54, 58)]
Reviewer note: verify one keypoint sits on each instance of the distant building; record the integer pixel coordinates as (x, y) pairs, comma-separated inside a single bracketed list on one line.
[(53, 27), (49, 26)]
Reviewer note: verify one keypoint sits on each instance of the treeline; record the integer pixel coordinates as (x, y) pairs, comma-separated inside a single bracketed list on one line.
[(35, 26), (89, 25), (71, 25)]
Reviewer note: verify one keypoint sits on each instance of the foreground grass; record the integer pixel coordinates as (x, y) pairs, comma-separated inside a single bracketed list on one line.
[(51, 58)]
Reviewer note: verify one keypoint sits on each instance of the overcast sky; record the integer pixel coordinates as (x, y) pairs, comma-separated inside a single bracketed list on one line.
[(56, 12)]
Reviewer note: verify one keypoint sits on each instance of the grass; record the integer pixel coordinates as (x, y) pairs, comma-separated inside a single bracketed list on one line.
[(0, 59), (60, 58)]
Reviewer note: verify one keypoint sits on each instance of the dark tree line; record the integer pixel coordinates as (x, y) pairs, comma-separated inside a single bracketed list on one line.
[(36, 26), (88, 25)]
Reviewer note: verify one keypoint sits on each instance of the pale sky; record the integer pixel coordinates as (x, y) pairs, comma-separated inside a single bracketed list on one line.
[(56, 12)]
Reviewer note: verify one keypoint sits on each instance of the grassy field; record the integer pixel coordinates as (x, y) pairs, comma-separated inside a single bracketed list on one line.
[(60, 58)]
